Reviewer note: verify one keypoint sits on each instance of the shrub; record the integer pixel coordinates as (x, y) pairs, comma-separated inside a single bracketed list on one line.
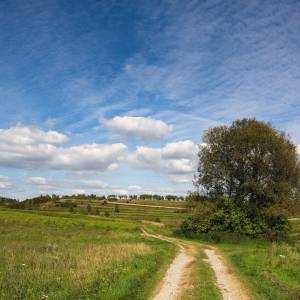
[(225, 216)]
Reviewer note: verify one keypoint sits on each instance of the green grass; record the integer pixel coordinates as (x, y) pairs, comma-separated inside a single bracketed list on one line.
[(202, 280), (50, 253), (62, 256), (168, 216), (271, 269)]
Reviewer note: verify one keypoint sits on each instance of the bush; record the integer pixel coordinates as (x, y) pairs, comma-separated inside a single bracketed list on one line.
[(226, 216), (117, 209)]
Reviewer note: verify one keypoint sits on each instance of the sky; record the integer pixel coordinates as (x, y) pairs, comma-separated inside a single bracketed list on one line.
[(113, 97)]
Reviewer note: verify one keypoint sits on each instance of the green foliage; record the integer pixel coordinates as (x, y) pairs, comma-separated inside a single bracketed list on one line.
[(117, 209), (89, 209), (8, 202), (250, 162), (226, 216), (250, 172), (272, 269)]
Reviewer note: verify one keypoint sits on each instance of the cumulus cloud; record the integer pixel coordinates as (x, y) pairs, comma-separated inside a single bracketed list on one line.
[(23, 135), (176, 160), (141, 127), (4, 182), (32, 148)]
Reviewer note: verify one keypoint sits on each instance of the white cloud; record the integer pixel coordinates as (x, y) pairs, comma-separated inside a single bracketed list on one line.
[(134, 188), (38, 181), (32, 148), (139, 127), (4, 182), (22, 135), (176, 160)]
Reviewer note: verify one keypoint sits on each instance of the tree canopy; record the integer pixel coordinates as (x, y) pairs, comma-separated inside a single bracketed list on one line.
[(247, 174), (250, 162)]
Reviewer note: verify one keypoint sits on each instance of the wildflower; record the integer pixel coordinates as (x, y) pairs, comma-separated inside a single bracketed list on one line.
[(281, 256)]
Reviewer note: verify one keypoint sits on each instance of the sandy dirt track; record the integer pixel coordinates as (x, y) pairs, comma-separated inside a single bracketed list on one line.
[(178, 273), (227, 282), (176, 279)]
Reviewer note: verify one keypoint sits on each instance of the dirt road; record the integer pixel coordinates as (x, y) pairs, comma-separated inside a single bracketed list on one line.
[(176, 279), (178, 273), (227, 282)]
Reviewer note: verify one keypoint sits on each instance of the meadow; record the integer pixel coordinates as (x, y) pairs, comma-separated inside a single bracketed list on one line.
[(272, 270), (96, 250), (50, 256)]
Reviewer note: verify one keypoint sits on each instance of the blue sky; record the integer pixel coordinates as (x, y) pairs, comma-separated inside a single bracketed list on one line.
[(114, 96)]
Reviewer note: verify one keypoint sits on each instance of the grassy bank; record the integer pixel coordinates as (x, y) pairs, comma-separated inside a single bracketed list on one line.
[(271, 269), (76, 257)]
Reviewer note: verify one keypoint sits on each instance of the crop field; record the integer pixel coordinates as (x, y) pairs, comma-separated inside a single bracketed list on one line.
[(76, 257), (163, 213)]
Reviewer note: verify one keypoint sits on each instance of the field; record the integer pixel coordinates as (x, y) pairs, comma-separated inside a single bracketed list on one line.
[(76, 257), (271, 269), (133, 211), (97, 250)]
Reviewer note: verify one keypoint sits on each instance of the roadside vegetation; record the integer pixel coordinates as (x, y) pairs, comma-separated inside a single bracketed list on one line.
[(75, 257)]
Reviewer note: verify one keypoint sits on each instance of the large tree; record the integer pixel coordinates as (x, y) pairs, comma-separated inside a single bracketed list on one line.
[(250, 162), (248, 175)]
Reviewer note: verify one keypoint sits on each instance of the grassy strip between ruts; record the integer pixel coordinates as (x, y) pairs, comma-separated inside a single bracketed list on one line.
[(56, 257), (202, 285)]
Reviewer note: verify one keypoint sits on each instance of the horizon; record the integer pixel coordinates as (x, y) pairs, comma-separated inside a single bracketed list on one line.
[(101, 97)]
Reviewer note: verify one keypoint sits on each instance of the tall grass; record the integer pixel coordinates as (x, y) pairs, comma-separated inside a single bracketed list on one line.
[(56, 257)]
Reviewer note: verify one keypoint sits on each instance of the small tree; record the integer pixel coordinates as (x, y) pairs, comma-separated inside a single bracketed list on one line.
[(89, 209), (71, 208), (253, 165), (117, 209)]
